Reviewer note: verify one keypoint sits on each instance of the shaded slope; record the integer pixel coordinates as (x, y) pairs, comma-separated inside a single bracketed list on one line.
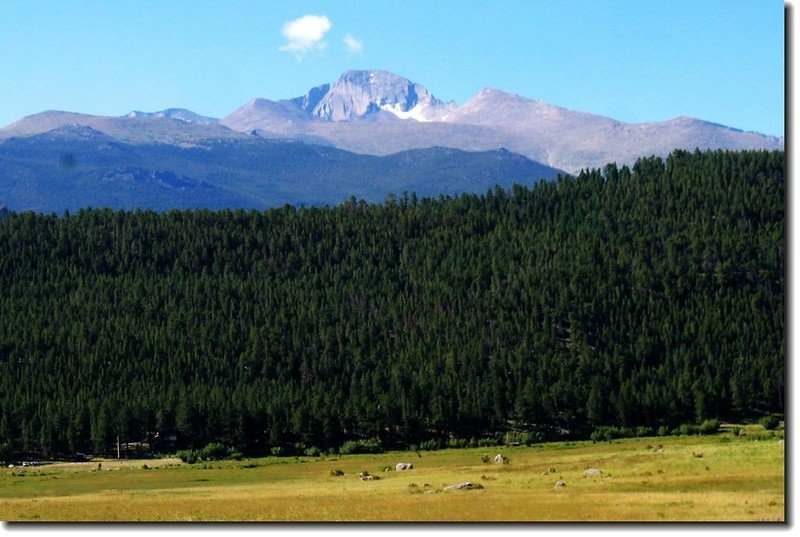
[(71, 167)]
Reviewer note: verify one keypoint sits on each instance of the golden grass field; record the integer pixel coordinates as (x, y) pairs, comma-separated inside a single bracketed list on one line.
[(716, 478)]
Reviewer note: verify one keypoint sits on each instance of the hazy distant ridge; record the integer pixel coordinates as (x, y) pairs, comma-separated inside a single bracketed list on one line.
[(74, 166)]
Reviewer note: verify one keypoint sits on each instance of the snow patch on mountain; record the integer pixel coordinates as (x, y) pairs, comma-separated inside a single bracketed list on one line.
[(417, 113)]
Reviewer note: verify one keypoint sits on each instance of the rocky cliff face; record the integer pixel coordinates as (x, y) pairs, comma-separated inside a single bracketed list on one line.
[(363, 94)]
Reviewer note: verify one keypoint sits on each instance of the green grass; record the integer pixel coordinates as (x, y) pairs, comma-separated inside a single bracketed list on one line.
[(722, 477)]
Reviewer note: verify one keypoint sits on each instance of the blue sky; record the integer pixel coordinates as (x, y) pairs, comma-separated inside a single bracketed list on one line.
[(721, 61)]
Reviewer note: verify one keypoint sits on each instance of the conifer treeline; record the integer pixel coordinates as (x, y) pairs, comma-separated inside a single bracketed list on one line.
[(645, 296)]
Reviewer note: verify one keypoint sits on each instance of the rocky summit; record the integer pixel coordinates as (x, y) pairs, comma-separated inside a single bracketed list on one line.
[(363, 94)]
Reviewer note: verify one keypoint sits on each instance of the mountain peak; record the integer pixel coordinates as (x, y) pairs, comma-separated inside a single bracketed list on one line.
[(43, 122), (494, 97), (372, 76), (374, 93), (490, 92)]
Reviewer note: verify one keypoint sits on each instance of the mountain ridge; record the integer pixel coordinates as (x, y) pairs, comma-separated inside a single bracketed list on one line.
[(181, 114), (563, 138), (74, 166), (376, 112)]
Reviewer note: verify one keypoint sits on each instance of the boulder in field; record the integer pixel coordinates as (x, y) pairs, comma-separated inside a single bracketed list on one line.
[(468, 485)]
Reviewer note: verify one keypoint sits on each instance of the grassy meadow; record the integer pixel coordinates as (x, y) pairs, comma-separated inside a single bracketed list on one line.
[(689, 478)]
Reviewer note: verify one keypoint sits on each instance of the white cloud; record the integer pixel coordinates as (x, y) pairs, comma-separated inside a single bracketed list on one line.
[(354, 46), (305, 34)]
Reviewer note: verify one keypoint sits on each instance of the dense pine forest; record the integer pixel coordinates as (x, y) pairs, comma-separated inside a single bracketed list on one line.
[(644, 296)]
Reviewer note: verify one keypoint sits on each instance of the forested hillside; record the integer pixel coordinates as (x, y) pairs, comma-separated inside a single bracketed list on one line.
[(645, 296)]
